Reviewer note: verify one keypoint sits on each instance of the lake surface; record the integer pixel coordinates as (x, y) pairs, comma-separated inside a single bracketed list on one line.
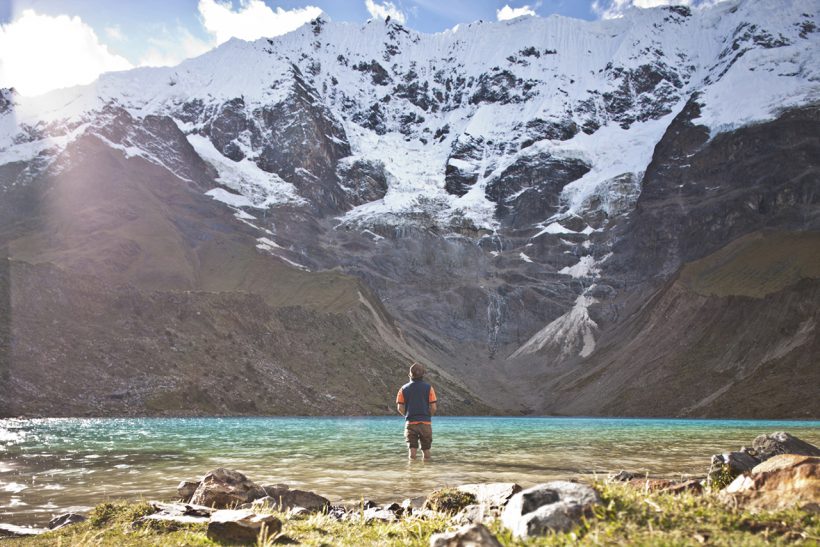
[(49, 466)]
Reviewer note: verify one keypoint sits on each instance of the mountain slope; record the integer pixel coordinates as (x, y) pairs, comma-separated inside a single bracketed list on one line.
[(527, 206)]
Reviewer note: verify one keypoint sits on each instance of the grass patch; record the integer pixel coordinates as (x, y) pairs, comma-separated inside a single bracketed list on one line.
[(627, 516)]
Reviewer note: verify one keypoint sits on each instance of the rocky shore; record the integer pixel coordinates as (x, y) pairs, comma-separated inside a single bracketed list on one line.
[(770, 491)]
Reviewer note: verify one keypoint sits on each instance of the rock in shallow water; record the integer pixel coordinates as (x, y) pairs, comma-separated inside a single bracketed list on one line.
[(186, 489), (552, 506), (767, 446), (226, 488)]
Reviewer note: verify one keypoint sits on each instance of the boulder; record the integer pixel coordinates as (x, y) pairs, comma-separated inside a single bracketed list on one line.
[(282, 498), (471, 535), (414, 503), (186, 489), (781, 482), (767, 446), (552, 506), (623, 476), (379, 514), (223, 488), (65, 519), (473, 514), (492, 494), (238, 526), (736, 462)]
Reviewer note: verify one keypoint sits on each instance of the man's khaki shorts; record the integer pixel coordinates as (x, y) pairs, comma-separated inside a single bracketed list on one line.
[(413, 433)]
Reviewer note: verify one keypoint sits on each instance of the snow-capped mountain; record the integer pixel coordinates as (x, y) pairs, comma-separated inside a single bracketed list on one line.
[(519, 196)]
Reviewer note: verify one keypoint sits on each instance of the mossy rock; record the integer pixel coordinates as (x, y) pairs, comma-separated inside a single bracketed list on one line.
[(449, 500)]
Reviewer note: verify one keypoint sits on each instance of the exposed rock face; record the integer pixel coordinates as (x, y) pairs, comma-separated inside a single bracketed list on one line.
[(471, 535), (364, 181), (529, 190), (243, 527), (556, 505), (226, 488)]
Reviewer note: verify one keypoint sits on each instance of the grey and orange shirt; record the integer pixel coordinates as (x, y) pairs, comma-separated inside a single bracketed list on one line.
[(416, 396)]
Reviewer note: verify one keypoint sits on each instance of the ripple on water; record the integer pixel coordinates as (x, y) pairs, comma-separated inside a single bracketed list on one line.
[(75, 463)]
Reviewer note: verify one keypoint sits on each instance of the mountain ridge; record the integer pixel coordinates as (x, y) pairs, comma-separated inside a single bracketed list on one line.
[(509, 194)]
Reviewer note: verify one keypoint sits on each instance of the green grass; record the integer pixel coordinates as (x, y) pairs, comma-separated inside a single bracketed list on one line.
[(626, 517)]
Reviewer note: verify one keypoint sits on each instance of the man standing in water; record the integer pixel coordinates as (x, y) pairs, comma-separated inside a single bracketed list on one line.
[(416, 401)]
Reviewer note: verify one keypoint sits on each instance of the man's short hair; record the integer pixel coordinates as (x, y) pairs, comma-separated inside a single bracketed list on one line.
[(417, 371)]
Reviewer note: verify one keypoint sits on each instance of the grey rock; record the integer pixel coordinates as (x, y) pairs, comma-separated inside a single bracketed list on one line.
[(244, 527), (493, 494), (475, 514), (186, 489), (379, 514), (283, 498), (414, 503), (623, 476), (767, 446), (556, 505), (223, 488), (364, 181), (177, 513), (737, 462), (64, 520), (471, 535)]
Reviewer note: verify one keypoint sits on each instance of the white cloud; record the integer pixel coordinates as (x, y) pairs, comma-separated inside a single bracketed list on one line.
[(511, 13), (610, 9), (172, 47), (39, 53), (115, 33), (252, 20), (385, 10)]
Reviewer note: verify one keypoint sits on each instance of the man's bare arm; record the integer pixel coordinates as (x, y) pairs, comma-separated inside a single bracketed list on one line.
[(400, 408), (433, 408)]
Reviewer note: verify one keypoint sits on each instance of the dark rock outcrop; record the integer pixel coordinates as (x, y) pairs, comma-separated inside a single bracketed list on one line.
[(528, 191), (66, 519)]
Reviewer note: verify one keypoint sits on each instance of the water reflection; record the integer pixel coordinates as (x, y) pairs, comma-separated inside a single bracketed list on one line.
[(48, 466)]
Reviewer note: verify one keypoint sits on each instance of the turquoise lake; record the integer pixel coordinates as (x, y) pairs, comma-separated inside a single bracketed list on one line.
[(49, 466)]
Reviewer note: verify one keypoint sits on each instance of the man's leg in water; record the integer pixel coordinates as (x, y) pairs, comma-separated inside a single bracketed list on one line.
[(426, 453), (412, 453)]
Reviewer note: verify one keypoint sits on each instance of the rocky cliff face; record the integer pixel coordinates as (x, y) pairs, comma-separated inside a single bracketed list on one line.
[(558, 216)]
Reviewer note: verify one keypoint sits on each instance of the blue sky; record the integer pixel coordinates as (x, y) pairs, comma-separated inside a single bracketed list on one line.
[(140, 20), (47, 44)]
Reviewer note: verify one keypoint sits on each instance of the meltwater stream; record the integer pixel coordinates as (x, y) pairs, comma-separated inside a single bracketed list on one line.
[(49, 466)]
